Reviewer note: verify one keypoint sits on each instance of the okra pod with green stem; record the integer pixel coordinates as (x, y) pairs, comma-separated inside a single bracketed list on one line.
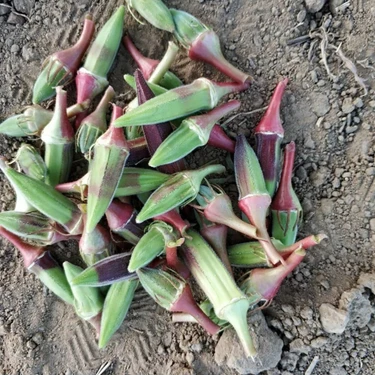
[(179, 190), (202, 94), (30, 162), (58, 138), (254, 199), (46, 199), (60, 68), (193, 132), (229, 302), (269, 134)]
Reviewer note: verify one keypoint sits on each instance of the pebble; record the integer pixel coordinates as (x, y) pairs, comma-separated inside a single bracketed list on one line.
[(333, 320), (372, 224), (4, 10), (190, 358), (358, 102), (348, 106), (298, 346), (314, 6), (320, 105), (372, 103), (15, 48), (14, 19), (370, 171), (351, 129), (301, 173), (38, 338), (31, 344), (301, 15), (319, 342), (307, 313), (198, 347)]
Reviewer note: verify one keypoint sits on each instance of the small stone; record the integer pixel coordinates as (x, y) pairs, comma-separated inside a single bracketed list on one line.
[(4, 10), (289, 361), (31, 344), (333, 320), (320, 104), (347, 106), (372, 224), (161, 350), (15, 19), (334, 4), (24, 6), (14, 49), (190, 358), (301, 173), (230, 352), (287, 309), (301, 15), (298, 346), (38, 338), (351, 129), (198, 347), (358, 102), (372, 103), (314, 6), (370, 171), (319, 342), (309, 143)]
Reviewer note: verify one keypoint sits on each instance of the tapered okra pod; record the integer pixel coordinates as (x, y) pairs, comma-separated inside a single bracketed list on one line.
[(58, 137), (269, 134), (61, 67)]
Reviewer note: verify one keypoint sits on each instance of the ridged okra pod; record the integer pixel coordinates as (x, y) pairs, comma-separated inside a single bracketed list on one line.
[(203, 44), (105, 170), (91, 79), (229, 302), (202, 94), (285, 208), (269, 134), (179, 190), (58, 137), (116, 306), (60, 68), (31, 163), (46, 199), (254, 199)]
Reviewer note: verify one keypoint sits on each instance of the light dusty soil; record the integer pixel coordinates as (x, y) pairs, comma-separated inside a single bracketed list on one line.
[(334, 177)]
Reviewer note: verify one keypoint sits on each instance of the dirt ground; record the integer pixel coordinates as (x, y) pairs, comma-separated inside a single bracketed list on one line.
[(325, 112)]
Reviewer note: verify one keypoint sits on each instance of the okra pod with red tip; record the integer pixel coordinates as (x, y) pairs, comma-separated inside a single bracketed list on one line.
[(269, 134), (173, 293), (58, 138), (61, 67), (95, 124), (203, 44), (202, 94), (46, 199), (105, 170), (263, 284), (91, 79), (254, 199), (121, 220), (285, 208)]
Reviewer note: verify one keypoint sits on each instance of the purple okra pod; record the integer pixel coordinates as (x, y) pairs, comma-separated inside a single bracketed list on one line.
[(269, 134)]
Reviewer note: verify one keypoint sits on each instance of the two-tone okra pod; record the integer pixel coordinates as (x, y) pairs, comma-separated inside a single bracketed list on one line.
[(46, 199), (91, 79), (269, 134), (229, 302), (121, 220), (40, 262), (153, 243), (285, 207), (203, 44), (30, 162), (217, 207), (61, 67), (155, 134), (193, 132), (202, 94), (95, 245), (58, 138), (263, 284), (254, 199), (155, 12), (116, 306), (173, 293), (34, 119), (179, 190), (95, 124), (32, 226), (148, 66), (107, 271), (105, 170), (88, 301)]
